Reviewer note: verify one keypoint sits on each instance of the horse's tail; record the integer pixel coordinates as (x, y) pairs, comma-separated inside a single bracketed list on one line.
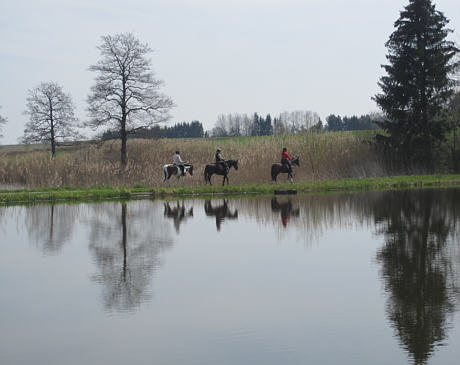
[(165, 172), (206, 175), (273, 172)]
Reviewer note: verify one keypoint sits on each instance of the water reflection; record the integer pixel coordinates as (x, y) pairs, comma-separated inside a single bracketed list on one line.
[(177, 213), (220, 211), (417, 268), (50, 226), (126, 242), (418, 258), (286, 209)]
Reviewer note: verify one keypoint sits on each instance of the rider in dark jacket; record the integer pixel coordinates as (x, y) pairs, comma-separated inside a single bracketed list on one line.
[(220, 161)]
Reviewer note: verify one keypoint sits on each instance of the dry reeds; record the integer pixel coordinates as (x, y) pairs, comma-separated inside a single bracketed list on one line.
[(322, 156)]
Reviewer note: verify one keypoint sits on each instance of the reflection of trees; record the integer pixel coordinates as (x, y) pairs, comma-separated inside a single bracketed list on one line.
[(178, 213), (416, 266), (221, 212), (126, 240), (50, 226), (286, 209)]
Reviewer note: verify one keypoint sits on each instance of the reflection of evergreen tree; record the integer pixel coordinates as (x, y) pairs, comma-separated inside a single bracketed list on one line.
[(415, 266)]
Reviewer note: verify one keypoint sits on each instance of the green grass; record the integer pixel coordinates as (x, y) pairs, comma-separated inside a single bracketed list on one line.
[(98, 193)]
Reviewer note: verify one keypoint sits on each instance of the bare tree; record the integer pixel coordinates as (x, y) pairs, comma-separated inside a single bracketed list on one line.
[(3, 121), (51, 114), (126, 95)]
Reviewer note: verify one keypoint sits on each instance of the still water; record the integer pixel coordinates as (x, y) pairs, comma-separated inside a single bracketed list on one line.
[(368, 278)]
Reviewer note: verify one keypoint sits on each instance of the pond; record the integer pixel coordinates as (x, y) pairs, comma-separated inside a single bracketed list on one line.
[(363, 278)]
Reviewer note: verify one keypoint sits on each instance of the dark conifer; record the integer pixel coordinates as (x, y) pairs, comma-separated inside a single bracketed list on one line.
[(418, 83)]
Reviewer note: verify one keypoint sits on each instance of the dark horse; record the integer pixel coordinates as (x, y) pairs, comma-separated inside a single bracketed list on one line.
[(278, 168), (221, 212), (170, 170), (286, 209), (214, 169)]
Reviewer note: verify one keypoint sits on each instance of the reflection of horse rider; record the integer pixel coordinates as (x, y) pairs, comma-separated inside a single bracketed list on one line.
[(220, 161), (177, 161), (286, 160)]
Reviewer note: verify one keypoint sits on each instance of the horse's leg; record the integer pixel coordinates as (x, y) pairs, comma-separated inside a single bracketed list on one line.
[(223, 180)]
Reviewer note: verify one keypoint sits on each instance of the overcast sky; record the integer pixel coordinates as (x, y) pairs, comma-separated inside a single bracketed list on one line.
[(215, 56)]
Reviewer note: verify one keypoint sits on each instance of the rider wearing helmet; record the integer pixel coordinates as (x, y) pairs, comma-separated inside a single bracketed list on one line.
[(177, 161), (220, 161), (286, 160)]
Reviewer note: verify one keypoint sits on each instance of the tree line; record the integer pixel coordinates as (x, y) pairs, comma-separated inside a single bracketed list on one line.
[(299, 121), (179, 130), (238, 124)]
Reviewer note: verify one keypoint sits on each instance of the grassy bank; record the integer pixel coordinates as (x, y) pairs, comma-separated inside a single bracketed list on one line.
[(103, 193)]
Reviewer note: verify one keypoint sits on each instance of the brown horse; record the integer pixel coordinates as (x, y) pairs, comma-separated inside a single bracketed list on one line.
[(221, 212), (278, 168), (170, 170), (211, 169)]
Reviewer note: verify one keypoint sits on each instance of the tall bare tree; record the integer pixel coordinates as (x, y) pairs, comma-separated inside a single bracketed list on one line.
[(51, 114), (126, 95), (3, 121)]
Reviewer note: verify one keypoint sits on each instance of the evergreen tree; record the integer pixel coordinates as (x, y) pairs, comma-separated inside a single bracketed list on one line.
[(334, 123), (418, 82), (256, 121), (318, 127), (268, 128)]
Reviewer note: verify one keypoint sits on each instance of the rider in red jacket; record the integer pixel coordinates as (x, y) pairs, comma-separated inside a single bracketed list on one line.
[(286, 160)]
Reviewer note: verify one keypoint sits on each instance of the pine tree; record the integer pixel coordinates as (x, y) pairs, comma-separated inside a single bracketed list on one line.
[(268, 128), (418, 83)]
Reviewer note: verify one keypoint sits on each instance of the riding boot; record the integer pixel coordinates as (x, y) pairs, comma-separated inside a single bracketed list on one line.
[(182, 170)]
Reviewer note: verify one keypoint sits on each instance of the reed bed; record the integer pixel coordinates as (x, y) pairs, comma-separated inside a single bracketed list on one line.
[(322, 156)]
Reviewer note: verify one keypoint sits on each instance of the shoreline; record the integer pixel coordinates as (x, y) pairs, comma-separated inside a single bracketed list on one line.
[(101, 193)]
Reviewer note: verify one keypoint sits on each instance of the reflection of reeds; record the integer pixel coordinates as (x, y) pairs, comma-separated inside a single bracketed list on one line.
[(323, 155), (317, 214)]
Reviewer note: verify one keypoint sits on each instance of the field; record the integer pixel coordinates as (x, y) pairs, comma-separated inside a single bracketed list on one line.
[(322, 156)]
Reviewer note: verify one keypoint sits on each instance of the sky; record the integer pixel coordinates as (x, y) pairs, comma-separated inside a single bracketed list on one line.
[(214, 56)]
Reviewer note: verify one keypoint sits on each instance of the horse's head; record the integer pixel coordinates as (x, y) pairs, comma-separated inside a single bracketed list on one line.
[(296, 161), (190, 170), (233, 163)]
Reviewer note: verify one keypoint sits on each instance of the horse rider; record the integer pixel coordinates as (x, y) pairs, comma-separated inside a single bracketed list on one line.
[(286, 160), (220, 161), (177, 161)]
